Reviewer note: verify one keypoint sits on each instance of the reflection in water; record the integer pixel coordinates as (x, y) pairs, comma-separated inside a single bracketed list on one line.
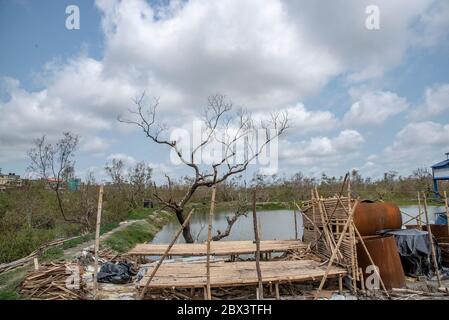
[(275, 225)]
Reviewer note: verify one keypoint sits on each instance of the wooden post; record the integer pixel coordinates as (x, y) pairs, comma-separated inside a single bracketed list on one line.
[(340, 283), (429, 231), (419, 211), (36, 264), (257, 239), (276, 288), (186, 221), (296, 224), (353, 266), (447, 208), (97, 239), (334, 252), (209, 237), (362, 280)]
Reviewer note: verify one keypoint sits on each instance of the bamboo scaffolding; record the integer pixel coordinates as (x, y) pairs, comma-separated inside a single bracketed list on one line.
[(334, 252)]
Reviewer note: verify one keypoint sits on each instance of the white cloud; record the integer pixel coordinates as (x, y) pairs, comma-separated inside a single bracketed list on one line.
[(304, 121), (340, 28), (418, 144), (94, 144), (264, 55), (127, 159), (436, 102), (433, 25), (373, 108), (321, 149)]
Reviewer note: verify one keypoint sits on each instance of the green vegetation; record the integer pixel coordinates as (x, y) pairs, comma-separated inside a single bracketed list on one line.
[(127, 238), (138, 232), (9, 282)]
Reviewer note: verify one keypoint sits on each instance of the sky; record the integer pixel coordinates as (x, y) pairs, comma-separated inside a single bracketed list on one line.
[(360, 98)]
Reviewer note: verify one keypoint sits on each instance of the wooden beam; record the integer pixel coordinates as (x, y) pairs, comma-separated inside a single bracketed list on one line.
[(257, 239), (209, 237), (97, 239)]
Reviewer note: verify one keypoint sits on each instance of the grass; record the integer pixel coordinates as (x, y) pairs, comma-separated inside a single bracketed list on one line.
[(138, 232), (142, 213), (9, 282), (124, 240), (90, 236)]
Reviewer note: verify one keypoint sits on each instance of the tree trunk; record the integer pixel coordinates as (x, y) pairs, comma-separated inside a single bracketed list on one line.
[(186, 231)]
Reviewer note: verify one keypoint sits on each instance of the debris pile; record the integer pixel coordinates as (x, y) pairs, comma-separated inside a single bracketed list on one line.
[(55, 281)]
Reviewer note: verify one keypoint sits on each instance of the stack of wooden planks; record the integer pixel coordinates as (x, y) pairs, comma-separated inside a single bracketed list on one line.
[(55, 281), (232, 274), (218, 248)]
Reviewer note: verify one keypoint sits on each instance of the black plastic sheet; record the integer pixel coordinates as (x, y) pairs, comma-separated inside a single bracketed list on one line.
[(119, 273), (415, 251)]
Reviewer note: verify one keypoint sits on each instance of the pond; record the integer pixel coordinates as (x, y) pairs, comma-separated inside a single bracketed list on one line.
[(274, 225)]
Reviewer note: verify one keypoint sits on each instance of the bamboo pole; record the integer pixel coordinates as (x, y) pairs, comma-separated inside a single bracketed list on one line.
[(429, 231), (353, 258), (276, 288), (447, 209), (334, 252), (97, 239), (296, 224), (153, 273), (209, 236), (257, 239), (419, 211)]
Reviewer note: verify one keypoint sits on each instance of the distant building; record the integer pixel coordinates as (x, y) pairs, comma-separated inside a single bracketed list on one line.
[(74, 184), (440, 171), (52, 183), (10, 180)]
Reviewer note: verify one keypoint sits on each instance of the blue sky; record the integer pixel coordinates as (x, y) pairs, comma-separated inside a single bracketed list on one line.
[(375, 100)]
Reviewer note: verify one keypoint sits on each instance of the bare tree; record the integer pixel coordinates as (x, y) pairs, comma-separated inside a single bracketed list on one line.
[(132, 182), (222, 127), (56, 161)]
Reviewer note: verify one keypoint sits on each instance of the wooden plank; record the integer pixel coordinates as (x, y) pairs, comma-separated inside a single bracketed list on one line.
[(223, 274), (218, 248)]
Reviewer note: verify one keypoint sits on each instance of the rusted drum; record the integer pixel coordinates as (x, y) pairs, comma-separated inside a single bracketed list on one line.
[(438, 230), (444, 246), (384, 252), (371, 217)]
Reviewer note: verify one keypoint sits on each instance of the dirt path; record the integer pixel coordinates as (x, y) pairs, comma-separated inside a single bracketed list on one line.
[(74, 251)]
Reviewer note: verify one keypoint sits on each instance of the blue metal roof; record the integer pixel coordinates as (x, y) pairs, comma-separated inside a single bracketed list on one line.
[(441, 164)]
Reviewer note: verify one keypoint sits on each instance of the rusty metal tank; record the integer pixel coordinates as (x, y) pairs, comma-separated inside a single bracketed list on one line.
[(370, 217), (438, 230), (384, 252)]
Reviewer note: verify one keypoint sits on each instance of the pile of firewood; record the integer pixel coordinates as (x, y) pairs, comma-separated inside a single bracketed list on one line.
[(55, 281)]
